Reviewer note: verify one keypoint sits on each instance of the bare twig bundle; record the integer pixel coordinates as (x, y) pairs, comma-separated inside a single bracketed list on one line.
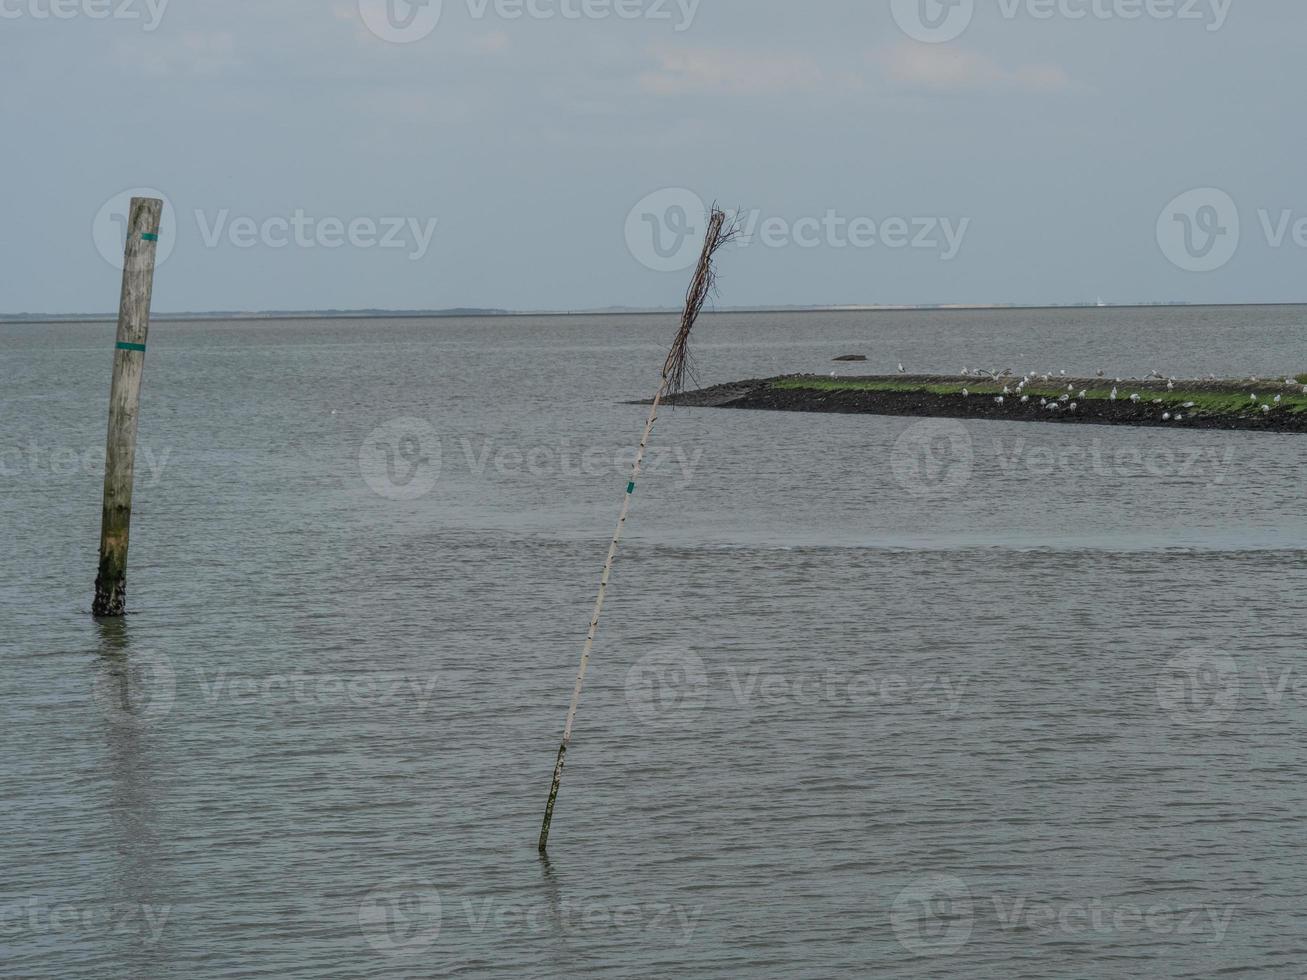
[(720, 232)]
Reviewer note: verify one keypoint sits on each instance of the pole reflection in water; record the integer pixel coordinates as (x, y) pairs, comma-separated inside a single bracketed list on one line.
[(134, 691)]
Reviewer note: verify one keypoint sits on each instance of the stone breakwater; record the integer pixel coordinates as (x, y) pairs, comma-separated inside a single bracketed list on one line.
[(1266, 406)]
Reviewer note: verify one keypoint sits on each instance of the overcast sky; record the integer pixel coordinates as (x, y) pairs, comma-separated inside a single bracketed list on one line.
[(364, 153)]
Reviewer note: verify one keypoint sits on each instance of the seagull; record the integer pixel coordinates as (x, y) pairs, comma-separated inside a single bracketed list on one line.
[(1179, 418), (1072, 406), (1253, 397), (1266, 409), (965, 393), (1114, 394), (901, 369), (1065, 398), (1024, 399), (998, 400), (1063, 373), (1190, 404), (1135, 398), (1100, 374), (1278, 399), (1166, 416), (966, 373), (1084, 393), (1170, 386)]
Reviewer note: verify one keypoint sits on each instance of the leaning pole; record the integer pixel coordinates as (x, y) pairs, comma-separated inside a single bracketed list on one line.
[(721, 231), (125, 404)]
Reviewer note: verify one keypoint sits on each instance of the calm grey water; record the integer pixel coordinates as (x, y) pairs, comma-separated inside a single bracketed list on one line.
[(872, 696)]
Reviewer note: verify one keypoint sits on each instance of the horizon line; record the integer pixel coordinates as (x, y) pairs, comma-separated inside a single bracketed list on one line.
[(490, 312)]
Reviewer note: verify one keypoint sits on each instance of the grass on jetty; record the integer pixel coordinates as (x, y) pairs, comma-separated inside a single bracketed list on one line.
[(1203, 401)]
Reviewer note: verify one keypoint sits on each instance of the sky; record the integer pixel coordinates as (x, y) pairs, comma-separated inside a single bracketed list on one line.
[(559, 154)]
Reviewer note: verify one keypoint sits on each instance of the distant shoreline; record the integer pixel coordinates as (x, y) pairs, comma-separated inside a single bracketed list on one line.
[(479, 313)]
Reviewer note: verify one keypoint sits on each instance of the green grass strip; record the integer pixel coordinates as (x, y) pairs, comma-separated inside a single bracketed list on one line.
[(1203, 402)]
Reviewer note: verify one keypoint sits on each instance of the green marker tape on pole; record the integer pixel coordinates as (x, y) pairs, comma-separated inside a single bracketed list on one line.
[(121, 345), (147, 237), (630, 488)]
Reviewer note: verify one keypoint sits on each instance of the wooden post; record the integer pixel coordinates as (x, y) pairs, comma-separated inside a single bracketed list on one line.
[(125, 403)]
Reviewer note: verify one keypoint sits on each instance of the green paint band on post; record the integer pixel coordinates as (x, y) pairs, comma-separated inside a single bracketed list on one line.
[(147, 237), (125, 346), (630, 488)]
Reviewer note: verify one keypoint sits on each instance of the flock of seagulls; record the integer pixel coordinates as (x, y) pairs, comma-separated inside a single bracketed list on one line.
[(1068, 403)]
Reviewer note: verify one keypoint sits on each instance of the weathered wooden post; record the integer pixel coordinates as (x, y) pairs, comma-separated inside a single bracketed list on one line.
[(125, 403)]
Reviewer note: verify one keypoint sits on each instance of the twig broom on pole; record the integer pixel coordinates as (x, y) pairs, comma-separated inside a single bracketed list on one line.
[(720, 232)]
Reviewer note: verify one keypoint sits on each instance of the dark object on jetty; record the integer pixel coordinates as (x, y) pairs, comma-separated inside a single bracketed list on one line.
[(1224, 404), (851, 358), (125, 404)]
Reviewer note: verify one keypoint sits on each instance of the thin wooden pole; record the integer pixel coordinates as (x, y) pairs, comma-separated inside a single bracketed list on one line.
[(125, 403), (594, 619), (674, 369)]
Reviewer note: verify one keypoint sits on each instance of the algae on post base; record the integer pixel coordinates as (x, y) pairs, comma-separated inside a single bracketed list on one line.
[(111, 579)]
